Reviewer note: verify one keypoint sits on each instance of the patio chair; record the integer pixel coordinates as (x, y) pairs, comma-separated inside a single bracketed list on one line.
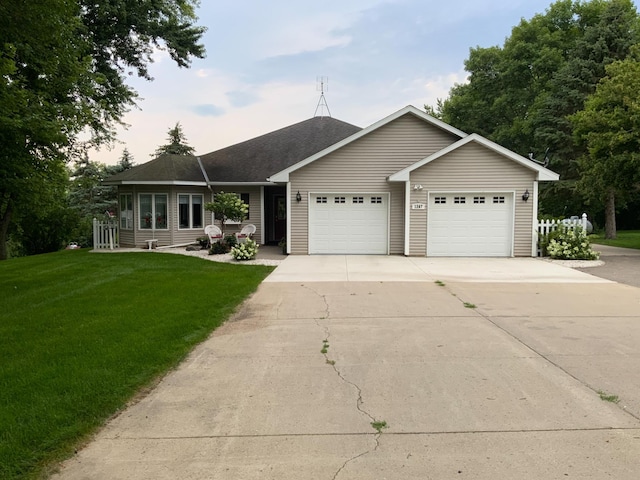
[(214, 233), (246, 232)]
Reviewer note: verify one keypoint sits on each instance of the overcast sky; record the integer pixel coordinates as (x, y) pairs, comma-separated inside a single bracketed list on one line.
[(264, 57)]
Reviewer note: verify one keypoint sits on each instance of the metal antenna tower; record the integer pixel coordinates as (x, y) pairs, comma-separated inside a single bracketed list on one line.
[(322, 85)]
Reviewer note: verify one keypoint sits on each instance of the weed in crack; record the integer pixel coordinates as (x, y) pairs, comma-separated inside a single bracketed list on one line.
[(379, 425), (608, 398)]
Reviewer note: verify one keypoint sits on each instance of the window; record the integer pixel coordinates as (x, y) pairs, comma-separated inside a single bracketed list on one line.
[(126, 211), (440, 200), (339, 200), (459, 199), (153, 211), (498, 199), (321, 199), (358, 199), (376, 199), (190, 211), (245, 198), (478, 199)]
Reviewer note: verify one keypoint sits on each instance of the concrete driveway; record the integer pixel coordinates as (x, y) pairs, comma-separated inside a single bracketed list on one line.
[(486, 379)]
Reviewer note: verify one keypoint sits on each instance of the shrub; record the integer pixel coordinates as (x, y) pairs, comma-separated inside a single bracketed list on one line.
[(218, 248), (245, 251), (223, 246), (570, 244), (231, 241), (203, 242)]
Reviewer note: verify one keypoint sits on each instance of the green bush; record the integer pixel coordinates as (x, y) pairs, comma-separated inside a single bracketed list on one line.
[(245, 251), (570, 244), (218, 248), (231, 241)]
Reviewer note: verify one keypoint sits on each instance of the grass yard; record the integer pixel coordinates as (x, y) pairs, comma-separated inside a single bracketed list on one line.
[(626, 239), (81, 333)]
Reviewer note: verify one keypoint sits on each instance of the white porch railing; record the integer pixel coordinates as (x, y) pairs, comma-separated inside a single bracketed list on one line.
[(547, 226), (105, 235)]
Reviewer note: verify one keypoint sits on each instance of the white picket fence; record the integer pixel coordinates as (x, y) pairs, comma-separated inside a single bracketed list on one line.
[(106, 235), (547, 226)]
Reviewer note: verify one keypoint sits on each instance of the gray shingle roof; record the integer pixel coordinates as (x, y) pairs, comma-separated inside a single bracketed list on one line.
[(251, 161), (163, 169), (257, 159)]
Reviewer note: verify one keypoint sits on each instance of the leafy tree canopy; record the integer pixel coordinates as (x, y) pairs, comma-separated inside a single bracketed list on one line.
[(609, 127), (521, 94), (63, 65), (227, 206)]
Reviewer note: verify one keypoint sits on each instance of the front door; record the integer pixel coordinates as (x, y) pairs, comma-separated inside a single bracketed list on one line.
[(280, 216)]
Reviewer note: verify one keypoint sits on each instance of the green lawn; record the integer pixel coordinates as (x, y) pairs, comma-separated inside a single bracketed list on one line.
[(81, 333), (626, 239)]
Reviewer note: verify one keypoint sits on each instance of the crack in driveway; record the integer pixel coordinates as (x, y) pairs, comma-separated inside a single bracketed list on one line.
[(359, 400)]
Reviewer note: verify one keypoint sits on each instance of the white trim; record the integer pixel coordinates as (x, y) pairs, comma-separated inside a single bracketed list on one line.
[(544, 174), (190, 195), (289, 217), (283, 176), (158, 182), (534, 221), (262, 233), (243, 184), (407, 217)]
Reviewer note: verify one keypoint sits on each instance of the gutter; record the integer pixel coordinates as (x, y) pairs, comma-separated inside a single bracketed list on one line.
[(204, 174)]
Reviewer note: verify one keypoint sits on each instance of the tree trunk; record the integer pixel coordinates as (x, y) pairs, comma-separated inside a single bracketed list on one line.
[(610, 216), (5, 220)]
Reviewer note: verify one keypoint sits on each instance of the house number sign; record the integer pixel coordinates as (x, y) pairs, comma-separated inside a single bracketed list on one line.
[(418, 206)]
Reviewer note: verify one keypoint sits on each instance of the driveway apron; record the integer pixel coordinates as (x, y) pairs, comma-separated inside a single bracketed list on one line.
[(424, 379)]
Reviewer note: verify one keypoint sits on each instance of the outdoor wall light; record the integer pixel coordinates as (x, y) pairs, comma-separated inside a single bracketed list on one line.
[(417, 187), (298, 197), (525, 195)]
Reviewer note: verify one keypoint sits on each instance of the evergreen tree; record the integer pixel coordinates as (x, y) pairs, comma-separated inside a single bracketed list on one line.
[(177, 143)]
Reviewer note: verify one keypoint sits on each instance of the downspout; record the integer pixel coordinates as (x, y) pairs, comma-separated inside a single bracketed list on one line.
[(289, 218), (407, 218), (536, 234), (206, 179)]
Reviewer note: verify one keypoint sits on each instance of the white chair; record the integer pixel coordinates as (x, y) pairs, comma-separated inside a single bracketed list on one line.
[(246, 232), (214, 233)]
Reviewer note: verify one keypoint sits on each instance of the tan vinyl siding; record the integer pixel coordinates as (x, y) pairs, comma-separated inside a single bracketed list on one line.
[(363, 167), (473, 168)]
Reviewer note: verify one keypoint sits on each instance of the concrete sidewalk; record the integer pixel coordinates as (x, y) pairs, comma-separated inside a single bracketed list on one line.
[(473, 380), (379, 268)]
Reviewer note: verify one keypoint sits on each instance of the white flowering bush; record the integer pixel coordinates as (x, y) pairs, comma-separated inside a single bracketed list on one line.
[(245, 251), (570, 244)]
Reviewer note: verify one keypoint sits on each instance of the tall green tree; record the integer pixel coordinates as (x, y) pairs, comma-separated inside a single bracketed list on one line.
[(521, 94), (609, 127), (177, 143), (63, 70), (88, 198)]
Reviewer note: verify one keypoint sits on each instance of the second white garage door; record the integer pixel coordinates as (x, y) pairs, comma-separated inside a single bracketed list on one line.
[(342, 223), (470, 225)]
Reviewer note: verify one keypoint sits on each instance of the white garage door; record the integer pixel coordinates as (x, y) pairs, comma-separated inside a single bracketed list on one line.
[(470, 225), (342, 223)]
